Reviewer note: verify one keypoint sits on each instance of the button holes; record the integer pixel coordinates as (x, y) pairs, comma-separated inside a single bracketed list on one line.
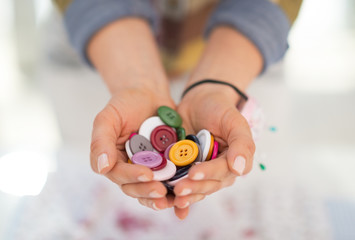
[(181, 150), (181, 155), (185, 154), (161, 139), (185, 150)]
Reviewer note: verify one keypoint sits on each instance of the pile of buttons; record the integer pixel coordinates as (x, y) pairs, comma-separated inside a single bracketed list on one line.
[(161, 144)]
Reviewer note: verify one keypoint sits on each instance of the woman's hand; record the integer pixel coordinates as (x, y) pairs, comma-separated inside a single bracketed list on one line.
[(213, 107), (122, 116), (125, 54)]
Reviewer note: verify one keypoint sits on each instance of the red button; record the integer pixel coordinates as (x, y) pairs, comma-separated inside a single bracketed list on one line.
[(162, 137), (161, 166)]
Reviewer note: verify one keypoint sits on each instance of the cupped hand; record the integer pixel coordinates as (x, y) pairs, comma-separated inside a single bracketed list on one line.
[(122, 116), (213, 107)]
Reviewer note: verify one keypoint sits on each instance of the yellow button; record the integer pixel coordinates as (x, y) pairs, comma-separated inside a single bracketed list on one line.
[(183, 153), (209, 155)]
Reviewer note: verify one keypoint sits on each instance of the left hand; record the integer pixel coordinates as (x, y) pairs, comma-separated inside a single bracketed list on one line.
[(213, 107)]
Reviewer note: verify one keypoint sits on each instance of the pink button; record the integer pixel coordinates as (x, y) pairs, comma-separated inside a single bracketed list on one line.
[(215, 150), (147, 158), (132, 134), (165, 173), (162, 165), (167, 150)]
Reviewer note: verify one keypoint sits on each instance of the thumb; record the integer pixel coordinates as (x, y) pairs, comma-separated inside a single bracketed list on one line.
[(106, 130), (241, 147)]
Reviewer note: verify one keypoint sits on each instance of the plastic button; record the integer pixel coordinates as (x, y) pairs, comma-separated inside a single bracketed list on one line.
[(167, 150), (181, 133), (215, 150), (149, 125), (165, 173), (169, 116), (183, 152), (138, 143), (174, 182), (128, 150), (162, 137), (132, 134), (210, 149), (199, 156), (193, 138), (180, 172), (204, 137), (147, 158), (161, 166)]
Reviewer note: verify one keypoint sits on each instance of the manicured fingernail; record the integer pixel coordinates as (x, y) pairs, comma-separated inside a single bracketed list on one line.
[(185, 191), (155, 207), (102, 162), (143, 178), (198, 176), (186, 205), (239, 165), (155, 194)]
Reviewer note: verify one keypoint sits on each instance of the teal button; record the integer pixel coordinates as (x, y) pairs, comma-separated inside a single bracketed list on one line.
[(169, 116)]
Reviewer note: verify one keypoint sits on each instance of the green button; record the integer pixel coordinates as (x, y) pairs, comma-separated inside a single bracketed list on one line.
[(169, 116), (181, 133)]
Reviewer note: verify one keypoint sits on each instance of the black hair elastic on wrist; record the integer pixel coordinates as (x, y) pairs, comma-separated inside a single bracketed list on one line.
[(243, 95)]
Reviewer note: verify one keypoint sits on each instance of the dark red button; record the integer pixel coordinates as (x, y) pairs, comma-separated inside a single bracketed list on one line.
[(161, 166), (162, 137)]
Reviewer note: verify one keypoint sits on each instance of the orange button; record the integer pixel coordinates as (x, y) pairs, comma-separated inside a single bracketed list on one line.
[(183, 153), (209, 155), (130, 161)]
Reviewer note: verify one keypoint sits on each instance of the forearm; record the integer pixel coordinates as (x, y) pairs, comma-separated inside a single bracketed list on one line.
[(125, 54), (229, 56)]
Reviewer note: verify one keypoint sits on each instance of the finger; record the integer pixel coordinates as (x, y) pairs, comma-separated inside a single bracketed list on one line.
[(156, 204), (186, 201), (181, 213), (124, 173), (216, 169), (144, 190), (241, 145), (106, 129), (188, 187)]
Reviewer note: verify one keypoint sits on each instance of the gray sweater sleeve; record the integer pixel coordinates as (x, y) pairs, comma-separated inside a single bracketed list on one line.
[(83, 18), (261, 21)]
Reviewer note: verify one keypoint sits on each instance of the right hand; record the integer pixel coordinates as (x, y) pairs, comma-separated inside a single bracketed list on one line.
[(122, 116)]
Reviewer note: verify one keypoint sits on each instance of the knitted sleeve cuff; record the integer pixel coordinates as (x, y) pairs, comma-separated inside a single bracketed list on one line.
[(83, 18), (261, 21)]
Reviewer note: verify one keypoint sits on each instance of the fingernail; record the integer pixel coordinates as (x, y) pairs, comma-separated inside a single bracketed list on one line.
[(143, 178), (102, 162), (185, 191), (155, 194), (198, 176), (239, 165), (186, 205), (155, 207)]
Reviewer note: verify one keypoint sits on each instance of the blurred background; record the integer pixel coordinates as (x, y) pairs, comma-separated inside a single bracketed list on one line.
[(48, 100)]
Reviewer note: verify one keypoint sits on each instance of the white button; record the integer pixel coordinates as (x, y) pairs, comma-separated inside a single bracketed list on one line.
[(174, 182), (165, 173), (205, 142), (128, 150)]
